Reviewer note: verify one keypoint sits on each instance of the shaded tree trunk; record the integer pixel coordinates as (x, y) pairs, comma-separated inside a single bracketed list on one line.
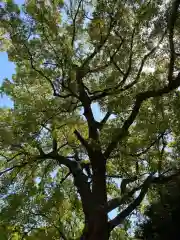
[(97, 225), (100, 231)]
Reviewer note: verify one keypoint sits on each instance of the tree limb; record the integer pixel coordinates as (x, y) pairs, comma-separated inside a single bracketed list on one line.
[(41, 73), (116, 90), (101, 124), (118, 201), (140, 98), (13, 167), (114, 54), (149, 147), (99, 47), (80, 181), (114, 203), (84, 98), (126, 212), (23, 164), (64, 178), (130, 60), (172, 20), (165, 179), (12, 158), (74, 23), (82, 140)]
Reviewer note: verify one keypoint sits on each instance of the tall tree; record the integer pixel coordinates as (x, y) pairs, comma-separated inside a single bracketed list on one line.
[(60, 167)]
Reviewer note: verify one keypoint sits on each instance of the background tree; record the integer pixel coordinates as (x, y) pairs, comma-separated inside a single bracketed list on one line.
[(162, 216), (60, 167)]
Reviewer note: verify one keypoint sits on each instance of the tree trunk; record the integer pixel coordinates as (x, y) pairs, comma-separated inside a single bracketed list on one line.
[(97, 226), (97, 229)]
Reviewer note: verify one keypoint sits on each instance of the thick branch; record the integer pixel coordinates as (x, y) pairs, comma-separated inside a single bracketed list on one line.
[(140, 98), (101, 124), (106, 117), (120, 217), (86, 102), (118, 201), (80, 181), (64, 178), (124, 130), (165, 179), (114, 203), (82, 140)]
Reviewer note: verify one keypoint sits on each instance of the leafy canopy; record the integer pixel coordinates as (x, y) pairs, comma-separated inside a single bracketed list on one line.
[(73, 57)]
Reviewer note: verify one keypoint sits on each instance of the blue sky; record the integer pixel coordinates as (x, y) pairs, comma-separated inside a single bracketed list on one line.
[(6, 71), (19, 1)]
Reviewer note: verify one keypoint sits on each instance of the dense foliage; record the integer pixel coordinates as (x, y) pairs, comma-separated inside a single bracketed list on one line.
[(162, 217), (63, 171)]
